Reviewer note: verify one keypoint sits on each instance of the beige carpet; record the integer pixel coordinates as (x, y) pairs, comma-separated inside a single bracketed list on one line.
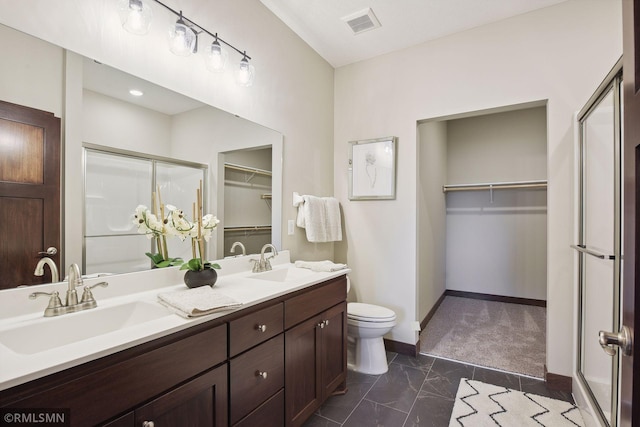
[(510, 337)]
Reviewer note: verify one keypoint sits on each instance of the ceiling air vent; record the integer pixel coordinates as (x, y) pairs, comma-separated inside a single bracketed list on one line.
[(362, 21)]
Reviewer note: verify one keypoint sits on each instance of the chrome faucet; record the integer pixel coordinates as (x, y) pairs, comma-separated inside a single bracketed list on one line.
[(55, 276), (233, 248), (56, 307), (264, 264)]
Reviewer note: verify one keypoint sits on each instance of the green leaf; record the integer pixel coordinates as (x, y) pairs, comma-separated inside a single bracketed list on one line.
[(163, 264)]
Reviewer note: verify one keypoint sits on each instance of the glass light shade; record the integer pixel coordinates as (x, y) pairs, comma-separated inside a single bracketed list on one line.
[(135, 16), (216, 58), (182, 39), (246, 73)]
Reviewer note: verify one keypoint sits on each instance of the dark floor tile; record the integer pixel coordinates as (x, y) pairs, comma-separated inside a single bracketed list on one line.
[(430, 410), (390, 356), (444, 377), (370, 414), (422, 362), (503, 379), (338, 408), (539, 387), (317, 421), (397, 388)]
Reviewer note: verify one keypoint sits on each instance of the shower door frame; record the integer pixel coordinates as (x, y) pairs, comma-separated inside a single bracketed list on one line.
[(611, 84)]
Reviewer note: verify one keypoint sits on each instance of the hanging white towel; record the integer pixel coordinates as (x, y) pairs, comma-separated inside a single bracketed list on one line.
[(197, 301), (333, 225), (326, 265), (320, 217)]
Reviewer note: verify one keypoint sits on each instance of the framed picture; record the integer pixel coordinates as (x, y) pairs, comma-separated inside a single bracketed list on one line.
[(372, 169)]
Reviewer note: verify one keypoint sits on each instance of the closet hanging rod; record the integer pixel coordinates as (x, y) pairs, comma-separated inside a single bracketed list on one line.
[(247, 169), (495, 186), (250, 228)]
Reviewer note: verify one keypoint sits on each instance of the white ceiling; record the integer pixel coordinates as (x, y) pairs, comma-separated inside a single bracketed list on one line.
[(404, 23)]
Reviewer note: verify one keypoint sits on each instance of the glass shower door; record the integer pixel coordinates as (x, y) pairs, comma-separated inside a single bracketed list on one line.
[(600, 248)]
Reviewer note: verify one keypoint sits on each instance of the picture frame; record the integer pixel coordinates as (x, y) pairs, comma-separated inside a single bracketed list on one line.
[(372, 169)]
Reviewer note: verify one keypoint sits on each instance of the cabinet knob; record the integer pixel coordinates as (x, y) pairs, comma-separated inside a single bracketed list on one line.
[(261, 374), (326, 323), (261, 328), (148, 424), (321, 325)]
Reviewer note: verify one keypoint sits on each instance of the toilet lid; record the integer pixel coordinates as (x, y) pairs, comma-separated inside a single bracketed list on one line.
[(361, 311)]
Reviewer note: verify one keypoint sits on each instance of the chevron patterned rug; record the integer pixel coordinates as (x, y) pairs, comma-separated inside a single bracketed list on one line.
[(478, 404)]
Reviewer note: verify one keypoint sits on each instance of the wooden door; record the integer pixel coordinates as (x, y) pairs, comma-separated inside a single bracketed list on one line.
[(334, 349), (29, 192), (200, 402), (630, 374), (303, 389)]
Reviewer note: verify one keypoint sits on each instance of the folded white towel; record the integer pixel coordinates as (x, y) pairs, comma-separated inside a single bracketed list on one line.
[(197, 301), (320, 265)]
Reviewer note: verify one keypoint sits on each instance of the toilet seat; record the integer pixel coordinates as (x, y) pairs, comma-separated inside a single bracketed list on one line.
[(369, 313)]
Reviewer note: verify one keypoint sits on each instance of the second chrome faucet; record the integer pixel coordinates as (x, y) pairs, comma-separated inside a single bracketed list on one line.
[(263, 264)]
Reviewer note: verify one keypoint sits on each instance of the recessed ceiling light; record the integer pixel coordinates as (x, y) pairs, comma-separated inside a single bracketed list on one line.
[(136, 92)]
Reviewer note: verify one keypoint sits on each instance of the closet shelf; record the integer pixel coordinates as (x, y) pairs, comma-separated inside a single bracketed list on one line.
[(539, 184), (248, 169)]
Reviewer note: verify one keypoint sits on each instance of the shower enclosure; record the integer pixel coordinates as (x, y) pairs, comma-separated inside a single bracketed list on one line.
[(599, 248)]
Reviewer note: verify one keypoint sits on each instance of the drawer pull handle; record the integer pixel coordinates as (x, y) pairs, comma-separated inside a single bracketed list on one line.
[(261, 328), (326, 323), (261, 374), (148, 424)]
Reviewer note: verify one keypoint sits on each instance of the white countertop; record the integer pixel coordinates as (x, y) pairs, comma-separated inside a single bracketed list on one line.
[(234, 280)]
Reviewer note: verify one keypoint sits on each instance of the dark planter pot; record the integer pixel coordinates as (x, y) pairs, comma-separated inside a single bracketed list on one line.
[(195, 279)]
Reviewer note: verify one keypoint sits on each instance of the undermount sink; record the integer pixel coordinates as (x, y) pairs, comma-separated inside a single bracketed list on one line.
[(283, 274), (52, 332)]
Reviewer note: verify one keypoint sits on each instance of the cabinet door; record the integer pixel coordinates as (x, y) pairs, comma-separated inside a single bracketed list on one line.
[(200, 402), (302, 367), (334, 349)]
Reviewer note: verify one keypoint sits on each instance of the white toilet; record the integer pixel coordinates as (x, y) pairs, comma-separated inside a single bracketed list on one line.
[(366, 325)]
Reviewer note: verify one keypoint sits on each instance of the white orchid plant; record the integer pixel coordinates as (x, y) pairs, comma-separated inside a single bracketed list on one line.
[(176, 224)]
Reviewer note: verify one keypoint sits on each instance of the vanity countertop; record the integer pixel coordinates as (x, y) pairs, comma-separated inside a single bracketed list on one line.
[(235, 280)]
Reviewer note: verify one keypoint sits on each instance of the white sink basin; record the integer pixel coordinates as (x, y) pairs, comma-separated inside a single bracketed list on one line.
[(48, 333), (283, 274)]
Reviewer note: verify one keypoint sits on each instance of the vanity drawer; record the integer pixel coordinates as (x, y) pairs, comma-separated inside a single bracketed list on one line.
[(308, 304), (255, 328), (269, 414), (255, 376)]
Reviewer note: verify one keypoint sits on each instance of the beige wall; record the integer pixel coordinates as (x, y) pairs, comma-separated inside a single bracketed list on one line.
[(559, 54), (431, 208)]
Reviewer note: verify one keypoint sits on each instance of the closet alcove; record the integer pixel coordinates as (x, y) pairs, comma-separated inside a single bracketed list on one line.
[(482, 207), (247, 199)]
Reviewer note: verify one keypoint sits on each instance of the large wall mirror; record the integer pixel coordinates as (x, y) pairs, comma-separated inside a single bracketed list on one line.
[(102, 112)]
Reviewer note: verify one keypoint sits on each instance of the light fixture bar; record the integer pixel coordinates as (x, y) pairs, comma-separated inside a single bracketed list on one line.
[(202, 29)]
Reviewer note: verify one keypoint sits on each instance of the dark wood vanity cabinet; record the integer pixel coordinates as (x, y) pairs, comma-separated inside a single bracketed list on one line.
[(315, 350), (270, 365)]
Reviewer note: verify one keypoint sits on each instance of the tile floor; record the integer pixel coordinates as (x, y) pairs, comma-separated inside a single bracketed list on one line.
[(415, 392)]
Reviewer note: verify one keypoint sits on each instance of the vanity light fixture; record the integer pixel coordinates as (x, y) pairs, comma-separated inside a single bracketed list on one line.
[(216, 58), (246, 72), (135, 16), (183, 38)]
